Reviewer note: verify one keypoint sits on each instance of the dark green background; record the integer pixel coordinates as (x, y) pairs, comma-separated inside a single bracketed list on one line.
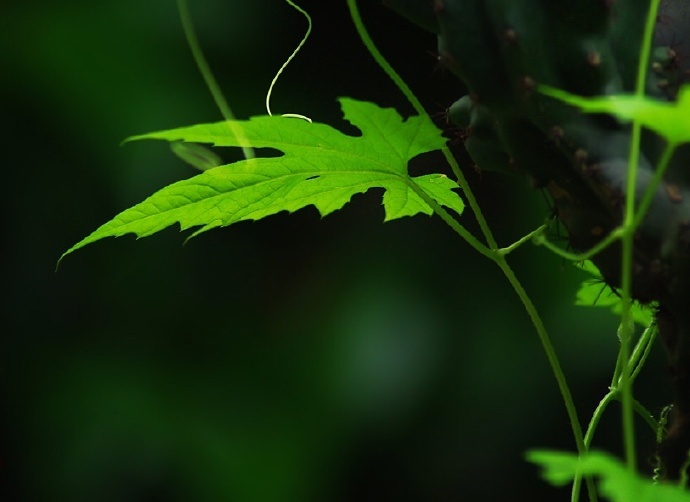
[(291, 359)]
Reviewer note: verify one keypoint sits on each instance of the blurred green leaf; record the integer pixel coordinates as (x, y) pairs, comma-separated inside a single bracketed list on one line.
[(617, 483), (594, 292), (195, 155), (668, 119)]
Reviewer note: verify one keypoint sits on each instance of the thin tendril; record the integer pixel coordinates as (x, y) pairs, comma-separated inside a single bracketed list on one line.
[(287, 62)]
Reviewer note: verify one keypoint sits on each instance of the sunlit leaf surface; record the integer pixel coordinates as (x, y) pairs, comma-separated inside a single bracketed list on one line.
[(320, 166)]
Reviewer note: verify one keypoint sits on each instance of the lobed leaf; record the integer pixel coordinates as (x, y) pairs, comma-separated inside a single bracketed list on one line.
[(320, 166)]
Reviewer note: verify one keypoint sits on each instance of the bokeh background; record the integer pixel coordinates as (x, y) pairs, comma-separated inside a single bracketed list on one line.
[(292, 359)]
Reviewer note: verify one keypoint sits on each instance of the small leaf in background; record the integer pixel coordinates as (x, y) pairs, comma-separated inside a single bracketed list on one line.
[(320, 166), (668, 119), (616, 482), (594, 292), (196, 155)]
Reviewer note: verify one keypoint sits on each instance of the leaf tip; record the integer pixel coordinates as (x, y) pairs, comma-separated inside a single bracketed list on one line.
[(63, 256)]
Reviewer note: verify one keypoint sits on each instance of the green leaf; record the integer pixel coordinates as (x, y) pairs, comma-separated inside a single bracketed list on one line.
[(668, 119), (320, 166), (594, 292), (617, 483)]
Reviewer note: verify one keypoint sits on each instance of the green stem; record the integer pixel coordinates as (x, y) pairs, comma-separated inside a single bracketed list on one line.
[(550, 351), (627, 248), (407, 92), (617, 233), (642, 351), (625, 379), (615, 395), (637, 360), (529, 237), (491, 252), (209, 79), (615, 379), (452, 222), (650, 191), (500, 260), (469, 194), (596, 417)]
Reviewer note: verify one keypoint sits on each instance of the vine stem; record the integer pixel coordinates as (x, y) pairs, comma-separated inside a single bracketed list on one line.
[(209, 79), (637, 360), (407, 92), (648, 196), (498, 257), (629, 226), (492, 252)]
